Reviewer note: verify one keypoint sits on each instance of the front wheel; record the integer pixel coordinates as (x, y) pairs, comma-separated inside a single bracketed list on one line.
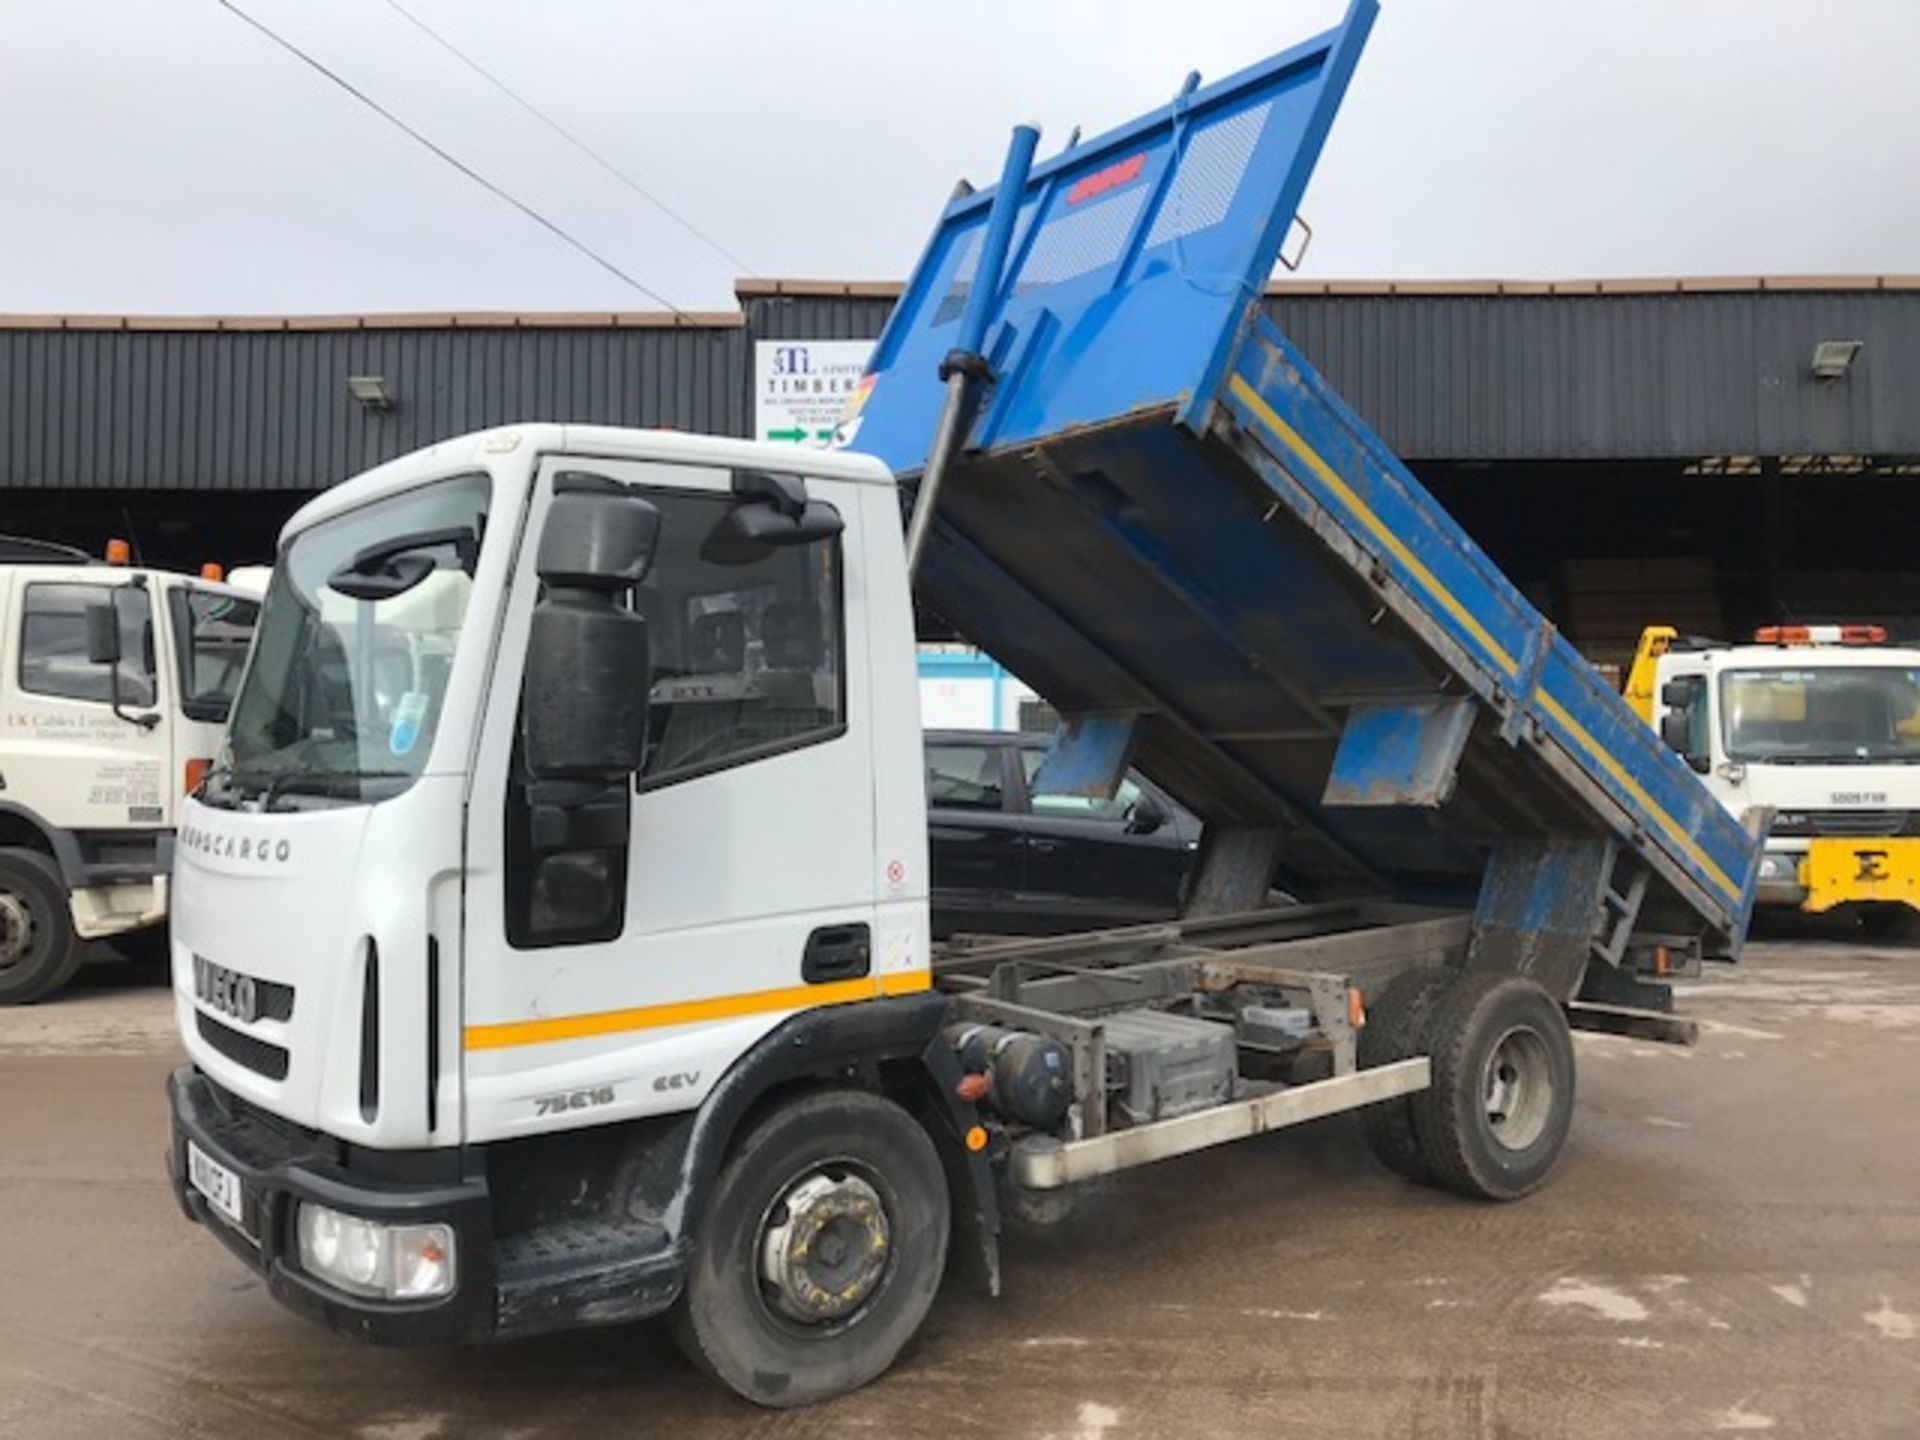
[(1493, 1123), (820, 1250), (38, 950)]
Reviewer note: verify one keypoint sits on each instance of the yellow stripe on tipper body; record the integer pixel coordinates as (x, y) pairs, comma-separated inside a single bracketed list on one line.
[(1377, 527), (690, 1012), (1679, 833), (1430, 582)]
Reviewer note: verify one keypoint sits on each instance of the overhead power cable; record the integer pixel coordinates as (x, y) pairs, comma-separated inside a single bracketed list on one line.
[(458, 164), (572, 139)]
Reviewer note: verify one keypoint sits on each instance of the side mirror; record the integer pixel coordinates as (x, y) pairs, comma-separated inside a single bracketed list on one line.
[(584, 711), (597, 538), (770, 511), (1676, 729), (103, 634), (1677, 694), (1147, 815)]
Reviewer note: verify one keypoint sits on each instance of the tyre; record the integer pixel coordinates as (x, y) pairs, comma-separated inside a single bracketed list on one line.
[(820, 1250), (38, 950), (1396, 1030), (1493, 1123)]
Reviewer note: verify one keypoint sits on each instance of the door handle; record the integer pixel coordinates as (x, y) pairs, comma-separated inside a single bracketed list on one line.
[(1043, 846), (837, 952)]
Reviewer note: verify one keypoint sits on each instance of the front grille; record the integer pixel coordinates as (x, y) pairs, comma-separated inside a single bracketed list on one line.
[(1848, 824), (257, 1055), (276, 1000), (273, 999)]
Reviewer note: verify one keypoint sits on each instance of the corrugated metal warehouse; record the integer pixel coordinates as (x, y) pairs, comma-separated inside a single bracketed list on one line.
[(1629, 451)]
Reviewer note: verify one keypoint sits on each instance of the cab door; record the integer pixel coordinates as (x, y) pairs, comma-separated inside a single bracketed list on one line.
[(624, 946), (83, 745)]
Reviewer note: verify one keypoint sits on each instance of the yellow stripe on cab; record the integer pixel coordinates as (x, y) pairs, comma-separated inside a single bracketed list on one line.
[(555, 1028)]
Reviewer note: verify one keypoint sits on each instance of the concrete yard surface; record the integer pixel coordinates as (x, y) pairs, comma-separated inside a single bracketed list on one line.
[(1731, 1246)]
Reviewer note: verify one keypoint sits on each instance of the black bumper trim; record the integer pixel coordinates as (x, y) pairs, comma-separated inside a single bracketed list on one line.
[(280, 1167), (519, 1285)]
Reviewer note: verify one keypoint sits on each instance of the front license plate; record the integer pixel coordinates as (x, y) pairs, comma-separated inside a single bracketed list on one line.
[(215, 1181)]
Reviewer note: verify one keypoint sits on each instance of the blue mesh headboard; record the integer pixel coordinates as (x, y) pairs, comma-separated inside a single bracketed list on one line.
[(1131, 266)]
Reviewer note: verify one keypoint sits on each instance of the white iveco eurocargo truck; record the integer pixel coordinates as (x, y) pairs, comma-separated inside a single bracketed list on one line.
[(438, 901), (114, 685), (551, 942)]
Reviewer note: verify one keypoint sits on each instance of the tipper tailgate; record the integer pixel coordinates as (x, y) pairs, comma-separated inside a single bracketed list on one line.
[(1160, 514)]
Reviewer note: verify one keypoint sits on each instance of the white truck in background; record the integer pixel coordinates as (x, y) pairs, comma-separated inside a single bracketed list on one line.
[(1820, 724), (114, 687)]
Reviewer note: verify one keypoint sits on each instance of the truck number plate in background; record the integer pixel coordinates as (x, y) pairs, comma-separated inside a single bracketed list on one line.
[(213, 1180)]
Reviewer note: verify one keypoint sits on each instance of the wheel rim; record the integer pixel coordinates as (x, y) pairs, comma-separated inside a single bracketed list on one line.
[(825, 1246), (16, 929), (1518, 1088)]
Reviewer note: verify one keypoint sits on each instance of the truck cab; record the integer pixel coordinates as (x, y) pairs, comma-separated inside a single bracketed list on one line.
[(443, 905), (114, 686), (1819, 724)]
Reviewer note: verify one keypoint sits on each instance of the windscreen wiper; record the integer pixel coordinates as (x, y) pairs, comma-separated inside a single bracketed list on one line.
[(319, 782)]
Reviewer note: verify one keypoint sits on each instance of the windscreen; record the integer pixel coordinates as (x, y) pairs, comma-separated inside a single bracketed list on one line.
[(345, 693), (1830, 715), (212, 633)]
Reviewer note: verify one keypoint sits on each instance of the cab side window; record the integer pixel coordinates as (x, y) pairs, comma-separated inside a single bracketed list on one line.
[(213, 632), (747, 645), (53, 643)]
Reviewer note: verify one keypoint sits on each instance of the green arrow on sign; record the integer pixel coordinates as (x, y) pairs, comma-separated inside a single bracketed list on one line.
[(796, 434)]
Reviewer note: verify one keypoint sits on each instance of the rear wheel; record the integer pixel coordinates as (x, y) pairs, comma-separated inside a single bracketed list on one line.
[(820, 1250), (1493, 1124), (38, 950), (1396, 1029)]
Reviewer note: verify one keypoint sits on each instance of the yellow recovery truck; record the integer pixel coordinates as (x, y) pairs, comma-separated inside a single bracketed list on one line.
[(1820, 723)]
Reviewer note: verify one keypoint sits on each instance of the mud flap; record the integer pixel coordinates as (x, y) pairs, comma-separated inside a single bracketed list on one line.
[(1539, 907), (976, 1204)]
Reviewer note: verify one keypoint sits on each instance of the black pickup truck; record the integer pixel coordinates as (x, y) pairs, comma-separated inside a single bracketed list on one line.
[(1011, 863)]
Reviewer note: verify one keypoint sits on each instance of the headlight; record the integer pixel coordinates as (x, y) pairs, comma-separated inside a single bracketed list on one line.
[(366, 1257), (1778, 867)]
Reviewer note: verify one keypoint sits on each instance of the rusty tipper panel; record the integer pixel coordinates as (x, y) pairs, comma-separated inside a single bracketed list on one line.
[(1161, 512)]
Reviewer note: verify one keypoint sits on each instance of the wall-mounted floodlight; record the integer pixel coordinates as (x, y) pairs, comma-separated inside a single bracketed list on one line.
[(1833, 358), (371, 391)]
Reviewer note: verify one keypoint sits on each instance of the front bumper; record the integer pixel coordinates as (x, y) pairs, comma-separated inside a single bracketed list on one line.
[(280, 1165), (1780, 880), (1861, 870), (570, 1273)]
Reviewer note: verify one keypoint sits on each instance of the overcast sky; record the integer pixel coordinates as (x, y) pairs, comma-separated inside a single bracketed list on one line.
[(159, 156)]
